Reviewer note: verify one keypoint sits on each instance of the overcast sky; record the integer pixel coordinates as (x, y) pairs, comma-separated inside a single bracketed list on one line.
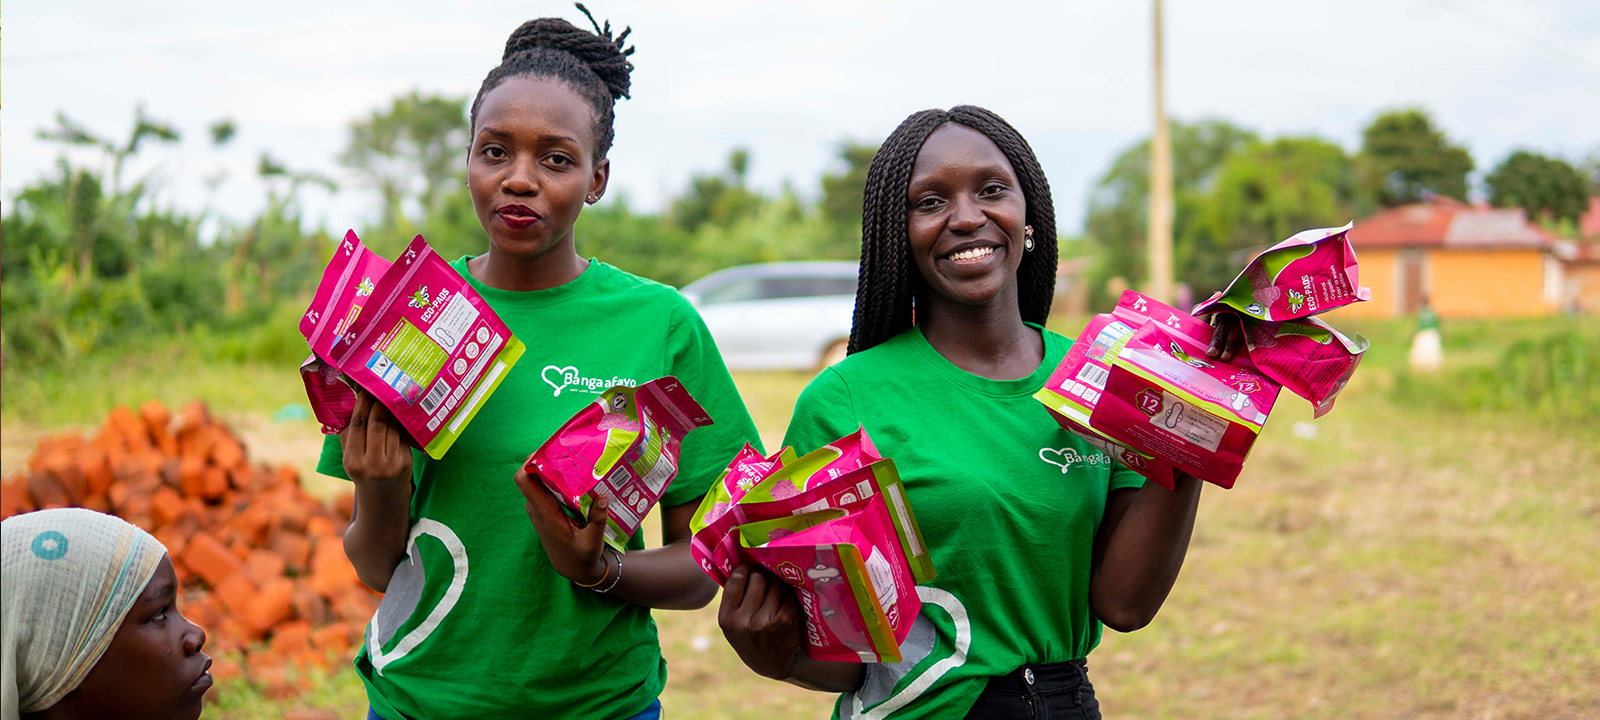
[(789, 80)]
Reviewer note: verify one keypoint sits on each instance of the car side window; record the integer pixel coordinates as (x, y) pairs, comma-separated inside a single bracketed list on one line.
[(736, 290), (777, 288)]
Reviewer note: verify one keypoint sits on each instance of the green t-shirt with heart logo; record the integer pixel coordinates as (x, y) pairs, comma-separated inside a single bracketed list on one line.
[(1008, 502), (476, 623)]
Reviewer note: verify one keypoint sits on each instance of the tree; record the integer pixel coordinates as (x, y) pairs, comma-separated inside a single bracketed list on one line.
[(1119, 202), (842, 191), (71, 133), (94, 220), (1265, 192), (1548, 188), (719, 199), (1590, 167), (273, 252), (412, 151), (1403, 157)]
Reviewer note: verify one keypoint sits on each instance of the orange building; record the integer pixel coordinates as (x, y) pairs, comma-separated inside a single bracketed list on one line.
[(1469, 261)]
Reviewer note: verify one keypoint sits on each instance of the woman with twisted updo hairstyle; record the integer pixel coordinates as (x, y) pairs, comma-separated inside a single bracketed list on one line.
[(498, 604), (1038, 539)]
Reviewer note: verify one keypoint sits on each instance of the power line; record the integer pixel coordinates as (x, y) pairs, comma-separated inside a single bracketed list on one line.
[(1500, 26)]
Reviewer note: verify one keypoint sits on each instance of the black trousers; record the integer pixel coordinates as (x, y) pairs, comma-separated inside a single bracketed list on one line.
[(1059, 691)]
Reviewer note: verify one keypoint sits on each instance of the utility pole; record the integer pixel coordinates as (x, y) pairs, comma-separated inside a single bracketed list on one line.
[(1159, 236)]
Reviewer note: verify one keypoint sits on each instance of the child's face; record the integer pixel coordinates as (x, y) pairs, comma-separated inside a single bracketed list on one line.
[(532, 164), (153, 667)]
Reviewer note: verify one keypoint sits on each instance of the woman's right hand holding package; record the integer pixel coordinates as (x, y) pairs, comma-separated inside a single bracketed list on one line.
[(378, 463), (761, 619)]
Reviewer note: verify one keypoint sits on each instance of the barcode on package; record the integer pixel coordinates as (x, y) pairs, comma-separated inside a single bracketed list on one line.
[(1094, 375), (440, 391)]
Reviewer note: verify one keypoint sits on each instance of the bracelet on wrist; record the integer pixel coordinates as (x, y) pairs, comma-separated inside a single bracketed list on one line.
[(603, 574), (618, 556)]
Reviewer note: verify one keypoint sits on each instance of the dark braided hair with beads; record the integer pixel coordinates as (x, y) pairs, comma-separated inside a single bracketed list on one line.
[(594, 64), (890, 282)]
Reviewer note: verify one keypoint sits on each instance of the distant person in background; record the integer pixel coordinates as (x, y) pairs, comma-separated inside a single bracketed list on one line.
[(91, 624), (1427, 351)]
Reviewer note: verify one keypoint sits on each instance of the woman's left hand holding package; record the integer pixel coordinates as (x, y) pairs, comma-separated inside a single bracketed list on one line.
[(576, 551)]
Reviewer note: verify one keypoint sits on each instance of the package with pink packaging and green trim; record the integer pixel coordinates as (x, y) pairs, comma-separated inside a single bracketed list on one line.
[(346, 287), (816, 467), (1307, 356), (424, 343), (834, 486), (624, 444), (747, 469), (1148, 357), (716, 550), (1075, 388), (849, 574), (1313, 272), (1166, 398)]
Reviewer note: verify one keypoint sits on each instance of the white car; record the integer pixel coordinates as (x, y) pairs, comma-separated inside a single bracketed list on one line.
[(779, 316)]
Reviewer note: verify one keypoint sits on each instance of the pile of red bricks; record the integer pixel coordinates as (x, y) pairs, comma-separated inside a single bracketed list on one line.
[(262, 563)]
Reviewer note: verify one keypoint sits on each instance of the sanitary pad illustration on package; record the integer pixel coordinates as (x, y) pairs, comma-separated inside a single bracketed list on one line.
[(1138, 386), (1313, 272), (1166, 398), (1075, 388), (624, 444), (841, 507), (423, 342)]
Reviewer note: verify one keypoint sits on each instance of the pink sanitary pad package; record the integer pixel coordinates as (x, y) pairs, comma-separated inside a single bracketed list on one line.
[(625, 444), (1164, 397), (849, 574), (1137, 385), (837, 526), (419, 338), (1313, 272), (1308, 357), (346, 287)]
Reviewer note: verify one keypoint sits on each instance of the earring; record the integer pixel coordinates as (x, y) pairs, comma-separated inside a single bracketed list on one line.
[(1027, 237), (593, 198)]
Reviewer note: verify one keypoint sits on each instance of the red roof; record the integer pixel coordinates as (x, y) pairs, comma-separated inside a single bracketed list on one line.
[(1589, 222), (1443, 222)]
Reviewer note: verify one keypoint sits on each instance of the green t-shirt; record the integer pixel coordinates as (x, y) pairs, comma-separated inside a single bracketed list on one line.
[(483, 626), (1008, 502)]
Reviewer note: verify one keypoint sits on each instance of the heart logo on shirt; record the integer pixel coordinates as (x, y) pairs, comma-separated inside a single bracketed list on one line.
[(404, 594), (564, 374), (1065, 457)]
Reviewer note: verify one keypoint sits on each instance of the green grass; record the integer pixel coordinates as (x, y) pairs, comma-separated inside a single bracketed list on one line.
[(1408, 562)]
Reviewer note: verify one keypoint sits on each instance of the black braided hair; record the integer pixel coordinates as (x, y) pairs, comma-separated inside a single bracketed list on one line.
[(890, 282), (594, 64)]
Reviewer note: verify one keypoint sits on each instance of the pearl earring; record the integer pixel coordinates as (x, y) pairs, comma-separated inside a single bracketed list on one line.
[(1027, 238)]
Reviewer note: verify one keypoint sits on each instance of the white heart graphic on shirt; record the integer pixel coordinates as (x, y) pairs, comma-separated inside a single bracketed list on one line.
[(562, 373), (1067, 456)]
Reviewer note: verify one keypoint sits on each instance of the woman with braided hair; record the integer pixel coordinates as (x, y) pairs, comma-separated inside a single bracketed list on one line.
[(1036, 536), (486, 614)]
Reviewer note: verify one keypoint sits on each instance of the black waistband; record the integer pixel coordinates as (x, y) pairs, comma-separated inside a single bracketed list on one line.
[(1063, 675)]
